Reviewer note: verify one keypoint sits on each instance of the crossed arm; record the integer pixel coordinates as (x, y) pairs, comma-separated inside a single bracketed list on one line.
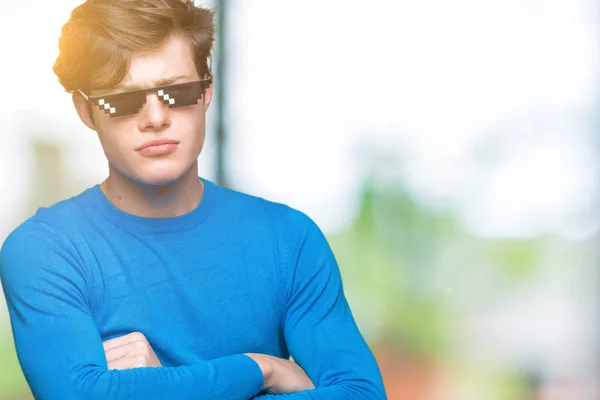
[(46, 292), (134, 351)]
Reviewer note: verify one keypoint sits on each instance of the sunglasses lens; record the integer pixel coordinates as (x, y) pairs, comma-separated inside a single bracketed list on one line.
[(118, 105), (180, 95)]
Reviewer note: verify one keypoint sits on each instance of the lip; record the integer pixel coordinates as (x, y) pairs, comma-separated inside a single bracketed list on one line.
[(157, 142)]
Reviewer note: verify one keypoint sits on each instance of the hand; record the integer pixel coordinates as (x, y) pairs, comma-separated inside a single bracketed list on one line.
[(281, 376), (130, 351)]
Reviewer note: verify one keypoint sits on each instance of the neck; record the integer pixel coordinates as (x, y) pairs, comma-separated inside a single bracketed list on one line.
[(154, 201)]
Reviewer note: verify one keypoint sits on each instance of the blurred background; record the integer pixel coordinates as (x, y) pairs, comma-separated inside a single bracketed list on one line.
[(449, 150)]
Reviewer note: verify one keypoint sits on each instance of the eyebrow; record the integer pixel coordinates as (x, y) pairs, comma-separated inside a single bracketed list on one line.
[(132, 87)]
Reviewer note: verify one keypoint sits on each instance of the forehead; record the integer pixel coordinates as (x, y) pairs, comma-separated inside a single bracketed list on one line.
[(174, 58)]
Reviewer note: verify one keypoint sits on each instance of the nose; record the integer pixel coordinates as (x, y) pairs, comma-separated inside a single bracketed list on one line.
[(154, 115)]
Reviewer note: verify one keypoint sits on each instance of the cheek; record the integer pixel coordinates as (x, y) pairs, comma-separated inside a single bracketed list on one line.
[(198, 138), (114, 135), (191, 128)]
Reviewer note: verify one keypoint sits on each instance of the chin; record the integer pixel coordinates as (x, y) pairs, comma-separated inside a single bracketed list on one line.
[(158, 180), (159, 174)]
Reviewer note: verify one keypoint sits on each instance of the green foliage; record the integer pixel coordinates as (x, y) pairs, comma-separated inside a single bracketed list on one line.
[(12, 383), (518, 259), (402, 257), (388, 254)]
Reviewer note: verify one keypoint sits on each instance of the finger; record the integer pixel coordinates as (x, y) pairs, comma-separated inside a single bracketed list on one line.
[(123, 340), (128, 363), (139, 348), (119, 352)]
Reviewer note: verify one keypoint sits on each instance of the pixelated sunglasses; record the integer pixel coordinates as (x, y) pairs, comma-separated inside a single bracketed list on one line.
[(129, 103)]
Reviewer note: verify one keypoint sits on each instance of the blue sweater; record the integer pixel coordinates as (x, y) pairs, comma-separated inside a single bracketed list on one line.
[(238, 274)]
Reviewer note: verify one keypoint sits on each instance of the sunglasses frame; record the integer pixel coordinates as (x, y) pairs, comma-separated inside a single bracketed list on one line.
[(100, 101)]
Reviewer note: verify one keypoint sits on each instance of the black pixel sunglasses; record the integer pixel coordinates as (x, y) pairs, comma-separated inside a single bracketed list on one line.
[(129, 103)]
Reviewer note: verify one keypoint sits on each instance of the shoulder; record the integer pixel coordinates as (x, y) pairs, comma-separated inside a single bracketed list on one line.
[(47, 229), (34, 254), (37, 259), (239, 204), (284, 216), (63, 214), (42, 251)]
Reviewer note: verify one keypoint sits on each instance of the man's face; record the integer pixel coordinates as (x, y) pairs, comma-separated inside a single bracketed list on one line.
[(125, 139)]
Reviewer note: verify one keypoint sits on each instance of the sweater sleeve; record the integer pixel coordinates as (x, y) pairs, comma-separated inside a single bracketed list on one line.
[(319, 328), (60, 349)]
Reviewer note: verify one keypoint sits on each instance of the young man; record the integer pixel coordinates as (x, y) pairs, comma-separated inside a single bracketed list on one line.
[(158, 284)]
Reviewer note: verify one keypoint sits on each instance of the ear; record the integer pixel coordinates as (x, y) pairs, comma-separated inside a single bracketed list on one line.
[(208, 93), (83, 110)]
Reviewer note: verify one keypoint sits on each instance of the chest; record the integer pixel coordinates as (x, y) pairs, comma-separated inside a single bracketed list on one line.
[(191, 300)]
